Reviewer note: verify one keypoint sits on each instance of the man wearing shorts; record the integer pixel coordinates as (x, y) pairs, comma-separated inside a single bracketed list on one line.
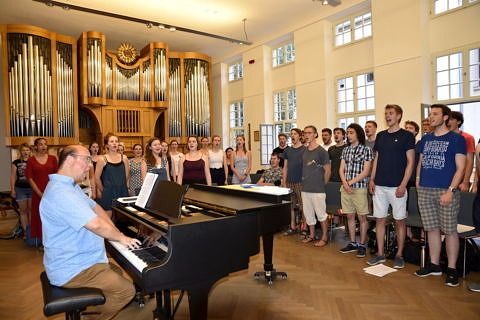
[(355, 167), (393, 165), (439, 173), (315, 174), (292, 175)]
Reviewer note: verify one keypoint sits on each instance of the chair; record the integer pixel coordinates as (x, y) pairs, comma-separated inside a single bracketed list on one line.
[(414, 220), (465, 226), (69, 301), (334, 203)]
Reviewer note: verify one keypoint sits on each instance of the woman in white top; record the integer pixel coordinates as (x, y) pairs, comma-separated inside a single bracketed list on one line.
[(175, 155), (218, 163), (241, 162)]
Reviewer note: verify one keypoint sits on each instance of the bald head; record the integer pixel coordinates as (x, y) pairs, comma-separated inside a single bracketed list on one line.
[(75, 162), (69, 151)]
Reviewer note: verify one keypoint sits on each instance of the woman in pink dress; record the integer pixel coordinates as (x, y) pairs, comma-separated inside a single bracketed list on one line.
[(38, 168)]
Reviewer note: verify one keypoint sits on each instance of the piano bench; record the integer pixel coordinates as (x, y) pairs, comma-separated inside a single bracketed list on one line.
[(71, 301)]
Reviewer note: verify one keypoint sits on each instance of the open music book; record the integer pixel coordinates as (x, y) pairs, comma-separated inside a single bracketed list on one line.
[(146, 190)]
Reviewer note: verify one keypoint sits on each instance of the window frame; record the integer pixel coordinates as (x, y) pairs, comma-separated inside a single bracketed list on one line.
[(465, 4), (232, 130), (352, 18), (287, 119), (270, 137), (284, 46), (355, 114), (238, 76), (465, 56)]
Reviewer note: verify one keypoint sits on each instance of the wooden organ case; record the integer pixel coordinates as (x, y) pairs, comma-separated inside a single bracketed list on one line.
[(160, 93), (40, 85)]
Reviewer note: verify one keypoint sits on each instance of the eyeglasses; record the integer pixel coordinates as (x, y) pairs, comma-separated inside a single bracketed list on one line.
[(88, 158)]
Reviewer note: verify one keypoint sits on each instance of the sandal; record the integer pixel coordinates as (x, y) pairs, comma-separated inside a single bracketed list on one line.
[(290, 231), (320, 243), (303, 234), (308, 239)]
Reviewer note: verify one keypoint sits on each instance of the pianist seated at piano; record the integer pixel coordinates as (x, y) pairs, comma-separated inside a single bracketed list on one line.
[(74, 228), (273, 175), (194, 167)]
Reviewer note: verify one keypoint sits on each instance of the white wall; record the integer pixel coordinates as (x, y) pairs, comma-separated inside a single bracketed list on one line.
[(405, 39)]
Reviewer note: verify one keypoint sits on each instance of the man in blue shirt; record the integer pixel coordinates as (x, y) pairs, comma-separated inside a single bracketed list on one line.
[(74, 228), (391, 170), (439, 173)]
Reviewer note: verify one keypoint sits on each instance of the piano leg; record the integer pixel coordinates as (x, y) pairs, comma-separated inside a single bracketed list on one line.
[(269, 272), (198, 300), (163, 310)]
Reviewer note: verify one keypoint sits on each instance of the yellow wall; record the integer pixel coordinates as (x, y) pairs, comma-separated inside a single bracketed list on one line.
[(405, 38)]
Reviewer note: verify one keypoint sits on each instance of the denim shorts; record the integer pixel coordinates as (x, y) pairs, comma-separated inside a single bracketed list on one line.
[(23, 193)]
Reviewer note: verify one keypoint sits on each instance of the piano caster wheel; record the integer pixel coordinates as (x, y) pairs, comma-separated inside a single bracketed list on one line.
[(141, 304), (270, 282), (284, 276), (256, 276)]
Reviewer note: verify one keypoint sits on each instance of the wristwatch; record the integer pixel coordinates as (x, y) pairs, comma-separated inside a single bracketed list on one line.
[(452, 189)]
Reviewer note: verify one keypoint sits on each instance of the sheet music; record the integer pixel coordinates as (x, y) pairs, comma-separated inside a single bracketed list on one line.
[(146, 189), (380, 270)]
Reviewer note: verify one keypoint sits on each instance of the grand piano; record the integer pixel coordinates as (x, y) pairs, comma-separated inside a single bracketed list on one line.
[(204, 233)]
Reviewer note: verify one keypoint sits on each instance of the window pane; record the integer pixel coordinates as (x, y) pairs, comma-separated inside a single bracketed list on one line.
[(456, 60), (349, 82), (349, 106), (442, 63), (440, 6), (370, 103), (443, 93), (456, 91), (361, 80), (455, 76), (370, 91), (341, 107), (361, 92), (442, 78), (361, 104)]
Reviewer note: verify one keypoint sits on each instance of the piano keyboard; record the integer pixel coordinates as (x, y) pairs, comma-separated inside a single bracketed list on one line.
[(142, 257)]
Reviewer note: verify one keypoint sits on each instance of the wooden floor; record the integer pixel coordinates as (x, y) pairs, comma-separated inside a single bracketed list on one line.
[(321, 284)]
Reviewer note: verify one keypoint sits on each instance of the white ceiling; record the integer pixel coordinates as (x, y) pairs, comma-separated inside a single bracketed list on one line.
[(266, 19)]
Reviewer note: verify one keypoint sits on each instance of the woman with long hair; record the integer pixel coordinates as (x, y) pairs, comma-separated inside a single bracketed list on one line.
[(241, 162), (175, 155), (157, 158), (112, 174), (204, 145), (138, 170), (94, 149), (218, 163), (194, 167), (19, 186), (38, 168)]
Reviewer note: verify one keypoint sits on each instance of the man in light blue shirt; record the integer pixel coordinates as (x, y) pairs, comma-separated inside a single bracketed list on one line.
[(74, 228)]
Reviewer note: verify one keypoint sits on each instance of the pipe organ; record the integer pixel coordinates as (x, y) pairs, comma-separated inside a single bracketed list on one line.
[(136, 96), (39, 76)]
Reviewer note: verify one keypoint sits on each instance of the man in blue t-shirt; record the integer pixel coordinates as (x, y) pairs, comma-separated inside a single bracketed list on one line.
[(439, 173), (391, 170), (74, 228)]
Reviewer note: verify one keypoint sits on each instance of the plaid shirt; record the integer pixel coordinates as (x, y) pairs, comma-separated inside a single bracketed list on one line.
[(355, 158)]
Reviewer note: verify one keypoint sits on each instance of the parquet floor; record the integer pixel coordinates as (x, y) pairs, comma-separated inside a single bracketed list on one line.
[(321, 284)]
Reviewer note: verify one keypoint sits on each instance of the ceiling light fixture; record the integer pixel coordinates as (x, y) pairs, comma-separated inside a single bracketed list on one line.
[(332, 3), (148, 23)]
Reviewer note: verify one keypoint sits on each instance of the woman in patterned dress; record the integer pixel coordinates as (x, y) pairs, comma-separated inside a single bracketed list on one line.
[(138, 170)]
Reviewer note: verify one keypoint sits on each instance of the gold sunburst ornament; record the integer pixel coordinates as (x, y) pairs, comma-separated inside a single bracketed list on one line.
[(126, 53)]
